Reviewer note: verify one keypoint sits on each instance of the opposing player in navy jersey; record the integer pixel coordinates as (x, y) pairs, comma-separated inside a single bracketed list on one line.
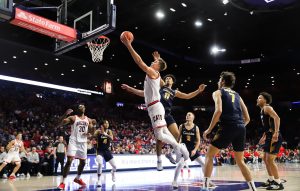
[(233, 116), (104, 137), (189, 134), (271, 139), (167, 96)]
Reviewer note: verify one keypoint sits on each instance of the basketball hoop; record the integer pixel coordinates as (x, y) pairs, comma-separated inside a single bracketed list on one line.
[(97, 47)]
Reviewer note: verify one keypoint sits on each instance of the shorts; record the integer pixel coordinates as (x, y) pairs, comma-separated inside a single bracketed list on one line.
[(270, 146), (77, 149), (156, 113), (106, 154), (197, 154), (226, 134), (169, 119), (12, 157)]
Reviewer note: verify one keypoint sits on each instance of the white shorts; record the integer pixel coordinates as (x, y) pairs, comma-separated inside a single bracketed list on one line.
[(77, 149), (12, 157), (157, 115)]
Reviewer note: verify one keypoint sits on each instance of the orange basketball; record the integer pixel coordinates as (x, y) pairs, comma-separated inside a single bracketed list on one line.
[(128, 35)]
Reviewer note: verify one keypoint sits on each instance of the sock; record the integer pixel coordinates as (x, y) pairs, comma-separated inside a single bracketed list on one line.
[(99, 177), (78, 176), (159, 158), (251, 185), (271, 178), (206, 182), (277, 180)]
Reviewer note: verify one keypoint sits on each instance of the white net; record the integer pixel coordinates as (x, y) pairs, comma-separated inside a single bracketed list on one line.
[(97, 47)]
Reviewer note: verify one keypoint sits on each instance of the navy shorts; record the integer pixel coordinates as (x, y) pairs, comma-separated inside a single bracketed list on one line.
[(169, 119), (195, 156), (271, 146), (106, 154), (226, 134)]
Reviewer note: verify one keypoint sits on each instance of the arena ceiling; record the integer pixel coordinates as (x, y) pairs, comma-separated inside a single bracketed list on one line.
[(262, 33)]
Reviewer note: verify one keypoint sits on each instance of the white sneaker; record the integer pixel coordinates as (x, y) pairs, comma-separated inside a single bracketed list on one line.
[(113, 176), (39, 174), (159, 166), (175, 185), (4, 176), (99, 183), (28, 175), (22, 175)]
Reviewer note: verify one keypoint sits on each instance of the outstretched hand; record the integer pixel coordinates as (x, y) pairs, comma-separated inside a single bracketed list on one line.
[(125, 40), (155, 55), (69, 111), (125, 87), (202, 87)]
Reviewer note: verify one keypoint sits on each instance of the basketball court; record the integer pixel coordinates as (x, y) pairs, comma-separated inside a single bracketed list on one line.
[(226, 178)]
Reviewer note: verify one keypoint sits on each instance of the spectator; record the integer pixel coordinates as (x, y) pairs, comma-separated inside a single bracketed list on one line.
[(3, 173), (59, 150), (34, 163)]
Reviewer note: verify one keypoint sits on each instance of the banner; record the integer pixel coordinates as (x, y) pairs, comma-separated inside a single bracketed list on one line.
[(44, 26)]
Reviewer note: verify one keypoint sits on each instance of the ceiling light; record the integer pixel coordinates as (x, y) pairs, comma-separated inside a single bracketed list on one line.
[(35, 68), (183, 4), (181, 85), (14, 57), (25, 51), (198, 23), (72, 70), (225, 14), (160, 15), (273, 81), (62, 74), (134, 86), (185, 81), (272, 84), (163, 39), (251, 12), (246, 86), (210, 20), (225, 2), (189, 47), (240, 67), (173, 10), (136, 28), (56, 59), (272, 77), (298, 73), (140, 83), (200, 68), (5, 62), (107, 71), (249, 79), (84, 66), (118, 79), (247, 83), (129, 76), (294, 69), (96, 86), (215, 50), (46, 64), (209, 81)]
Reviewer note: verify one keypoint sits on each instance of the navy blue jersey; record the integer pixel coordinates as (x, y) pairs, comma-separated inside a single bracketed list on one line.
[(103, 142), (267, 122), (189, 137), (167, 97), (231, 107)]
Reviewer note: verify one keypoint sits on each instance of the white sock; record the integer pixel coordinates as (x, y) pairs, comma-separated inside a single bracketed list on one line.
[(252, 185), (78, 176), (177, 170), (158, 157), (271, 178), (277, 180)]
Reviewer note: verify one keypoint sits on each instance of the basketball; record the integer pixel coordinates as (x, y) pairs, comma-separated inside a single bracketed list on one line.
[(128, 35)]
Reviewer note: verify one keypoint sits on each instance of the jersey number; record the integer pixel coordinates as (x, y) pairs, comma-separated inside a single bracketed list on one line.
[(167, 96), (232, 97), (81, 129), (104, 141)]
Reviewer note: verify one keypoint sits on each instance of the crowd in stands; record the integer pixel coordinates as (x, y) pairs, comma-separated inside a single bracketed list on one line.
[(36, 115)]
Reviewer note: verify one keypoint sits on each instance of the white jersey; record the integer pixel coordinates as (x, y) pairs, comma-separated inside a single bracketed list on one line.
[(151, 89), (79, 129), (15, 148)]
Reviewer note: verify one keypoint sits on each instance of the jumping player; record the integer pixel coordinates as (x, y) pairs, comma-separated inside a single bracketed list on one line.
[(104, 136), (233, 116), (271, 139), (12, 156), (167, 96), (81, 125), (155, 108)]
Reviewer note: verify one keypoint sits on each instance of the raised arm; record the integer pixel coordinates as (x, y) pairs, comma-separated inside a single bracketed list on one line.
[(64, 120), (133, 90), (245, 112), (216, 116), (138, 60), (191, 95)]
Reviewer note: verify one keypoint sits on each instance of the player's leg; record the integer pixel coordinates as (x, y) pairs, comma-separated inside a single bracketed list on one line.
[(179, 166), (99, 160), (173, 128), (271, 176), (158, 154), (81, 154), (108, 157), (208, 167), (3, 165), (15, 170)]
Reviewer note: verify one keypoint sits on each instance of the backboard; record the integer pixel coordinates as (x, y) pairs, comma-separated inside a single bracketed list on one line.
[(90, 18)]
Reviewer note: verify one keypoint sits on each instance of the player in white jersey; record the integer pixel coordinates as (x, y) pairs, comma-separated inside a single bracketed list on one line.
[(14, 147), (155, 108), (81, 125)]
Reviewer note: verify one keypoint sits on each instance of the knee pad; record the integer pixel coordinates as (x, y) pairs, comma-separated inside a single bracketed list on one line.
[(99, 159)]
